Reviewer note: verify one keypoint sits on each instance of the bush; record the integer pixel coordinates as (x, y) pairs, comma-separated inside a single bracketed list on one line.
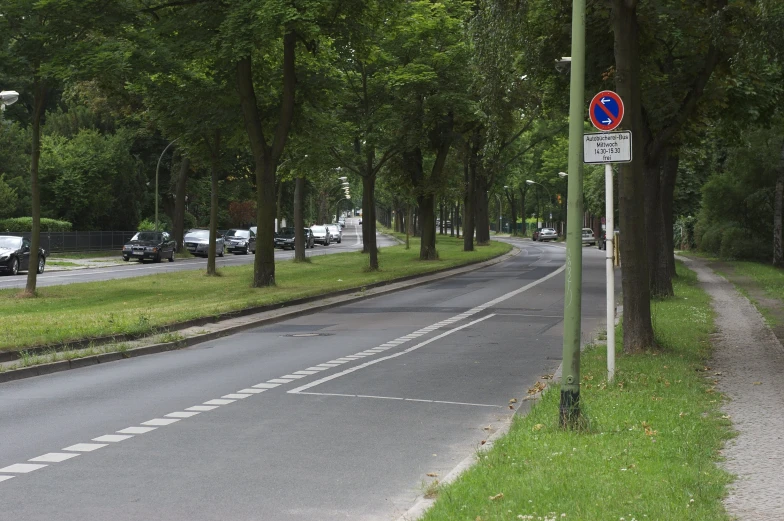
[(147, 225), (25, 224), (709, 238)]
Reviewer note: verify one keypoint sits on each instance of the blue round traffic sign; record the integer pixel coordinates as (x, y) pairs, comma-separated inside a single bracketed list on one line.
[(606, 110)]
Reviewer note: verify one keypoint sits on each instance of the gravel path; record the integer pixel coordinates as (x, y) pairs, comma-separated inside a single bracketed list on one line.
[(751, 361)]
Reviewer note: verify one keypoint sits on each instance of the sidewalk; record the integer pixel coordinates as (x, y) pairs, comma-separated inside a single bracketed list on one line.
[(748, 363)]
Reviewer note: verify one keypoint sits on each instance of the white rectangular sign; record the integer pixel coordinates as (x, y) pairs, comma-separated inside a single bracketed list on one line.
[(607, 147)]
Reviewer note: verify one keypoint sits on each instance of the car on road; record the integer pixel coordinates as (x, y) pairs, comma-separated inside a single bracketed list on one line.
[(198, 243), (321, 235), (588, 237), (342, 223), (147, 245), (545, 234), (286, 238), (15, 255), (240, 241), (335, 232)]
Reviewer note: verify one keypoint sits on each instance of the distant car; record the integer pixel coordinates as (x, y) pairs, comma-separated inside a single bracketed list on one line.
[(321, 235), (147, 245), (286, 238), (240, 241), (15, 255), (198, 243), (360, 220), (335, 232), (588, 237), (342, 223), (546, 234)]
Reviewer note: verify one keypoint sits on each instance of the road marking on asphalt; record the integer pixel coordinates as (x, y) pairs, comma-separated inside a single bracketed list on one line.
[(235, 396), (22, 468), (389, 357), (219, 402), (160, 422), (280, 380), (305, 373), (293, 376), (3, 478), (202, 408), (251, 391), (404, 399), (113, 438), (85, 447), (54, 457), (182, 414), (265, 386), (137, 430)]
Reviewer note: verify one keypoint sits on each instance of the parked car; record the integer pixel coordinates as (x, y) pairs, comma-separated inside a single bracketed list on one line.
[(546, 234), (198, 243), (335, 232), (342, 222), (15, 255), (321, 235), (588, 237), (286, 238), (242, 241), (152, 246)]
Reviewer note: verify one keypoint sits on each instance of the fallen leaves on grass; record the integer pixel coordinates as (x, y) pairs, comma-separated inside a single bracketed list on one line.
[(537, 388), (500, 495)]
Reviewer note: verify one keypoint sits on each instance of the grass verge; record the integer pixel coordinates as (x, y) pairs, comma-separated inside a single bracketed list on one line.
[(770, 278), (648, 451), (141, 305)]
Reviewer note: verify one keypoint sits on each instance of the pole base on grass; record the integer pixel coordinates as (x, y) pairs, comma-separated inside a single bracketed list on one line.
[(570, 408)]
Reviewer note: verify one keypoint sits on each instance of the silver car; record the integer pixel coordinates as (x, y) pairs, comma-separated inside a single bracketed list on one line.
[(198, 243), (335, 232), (588, 237), (321, 235), (547, 234)]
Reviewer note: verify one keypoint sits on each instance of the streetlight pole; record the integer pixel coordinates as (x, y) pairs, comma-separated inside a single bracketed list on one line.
[(498, 228), (570, 379), (529, 182), (157, 168)]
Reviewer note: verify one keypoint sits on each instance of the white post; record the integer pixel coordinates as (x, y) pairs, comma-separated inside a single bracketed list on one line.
[(609, 234)]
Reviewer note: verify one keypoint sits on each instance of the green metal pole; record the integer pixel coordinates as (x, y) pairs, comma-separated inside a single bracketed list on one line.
[(570, 378)]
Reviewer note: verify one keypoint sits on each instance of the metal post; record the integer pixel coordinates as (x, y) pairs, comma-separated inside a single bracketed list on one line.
[(570, 379), (609, 231), (156, 182)]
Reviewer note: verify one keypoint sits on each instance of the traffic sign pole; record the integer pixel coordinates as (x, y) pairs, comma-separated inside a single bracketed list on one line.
[(609, 235)]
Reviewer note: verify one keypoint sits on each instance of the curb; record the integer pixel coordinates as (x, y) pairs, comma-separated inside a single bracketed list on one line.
[(325, 302)]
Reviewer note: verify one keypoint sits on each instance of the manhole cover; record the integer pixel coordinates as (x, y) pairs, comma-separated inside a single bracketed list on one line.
[(308, 334)]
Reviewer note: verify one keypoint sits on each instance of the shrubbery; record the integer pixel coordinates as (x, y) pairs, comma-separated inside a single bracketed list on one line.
[(25, 224)]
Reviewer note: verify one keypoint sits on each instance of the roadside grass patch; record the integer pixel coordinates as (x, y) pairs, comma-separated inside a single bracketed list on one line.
[(648, 452), (769, 277), (143, 305)]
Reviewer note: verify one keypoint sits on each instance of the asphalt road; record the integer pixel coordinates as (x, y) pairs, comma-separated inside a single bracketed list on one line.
[(351, 241), (339, 415)]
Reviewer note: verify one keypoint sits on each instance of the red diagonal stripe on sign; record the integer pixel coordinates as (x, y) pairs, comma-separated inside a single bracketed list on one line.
[(609, 115)]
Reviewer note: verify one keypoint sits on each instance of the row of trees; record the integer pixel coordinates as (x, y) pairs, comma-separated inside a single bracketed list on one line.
[(415, 102)]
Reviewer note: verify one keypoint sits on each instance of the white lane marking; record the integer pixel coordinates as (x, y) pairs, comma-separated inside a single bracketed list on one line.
[(159, 422), (328, 365), (137, 430), (85, 447), (395, 355), (219, 402), (280, 380), (22, 468), (3, 478), (113, 438), (265, 386), (234, 396), (305, 373), (54, 457), (251, 391), (293, 376), (315, 369), (181, 414), (403, 399), (201, 408), (337, 363)]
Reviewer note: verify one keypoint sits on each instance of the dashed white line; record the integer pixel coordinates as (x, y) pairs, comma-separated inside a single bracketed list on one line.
[(160, 422), (235, 396), (54, 457), (280, 380), (293, 376), (3, 478), (113, 438), (22, 468), (219, 402), (85, 447), (182, 414), (251, 391), (265, 386), (137, 430), (305, 373), (202, 408)]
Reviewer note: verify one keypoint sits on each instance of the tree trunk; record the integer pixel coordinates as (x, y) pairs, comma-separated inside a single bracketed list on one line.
[(427, 246), (408, 228), (458, 219), (39, 106), (469, 171), (179, 202), (215, 168), (279, 204), (637, 328), (523, 193), (482, 209), (513, 210), (669, 177), (369, 219), (778, 250), (299, 220)]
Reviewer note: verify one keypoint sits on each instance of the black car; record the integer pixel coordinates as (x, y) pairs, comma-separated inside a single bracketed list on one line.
[(15, 255), (285, 239), (242, 241), (153, 246)]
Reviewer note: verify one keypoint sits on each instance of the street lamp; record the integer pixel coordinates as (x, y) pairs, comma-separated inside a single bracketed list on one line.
[(157, 168), (7, 97), (562, 174)]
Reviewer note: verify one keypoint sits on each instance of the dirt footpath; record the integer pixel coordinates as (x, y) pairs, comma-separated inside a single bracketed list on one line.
[(750, 360)]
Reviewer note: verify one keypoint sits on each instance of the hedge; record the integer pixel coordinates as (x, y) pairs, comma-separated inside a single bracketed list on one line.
[(25, 224)]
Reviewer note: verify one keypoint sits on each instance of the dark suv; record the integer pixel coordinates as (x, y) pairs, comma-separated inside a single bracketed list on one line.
[(285, 239), (240, 241)]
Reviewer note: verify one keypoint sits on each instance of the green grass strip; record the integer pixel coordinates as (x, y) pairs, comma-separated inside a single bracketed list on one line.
[(770, 278), (139, 305), (649, 449)]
